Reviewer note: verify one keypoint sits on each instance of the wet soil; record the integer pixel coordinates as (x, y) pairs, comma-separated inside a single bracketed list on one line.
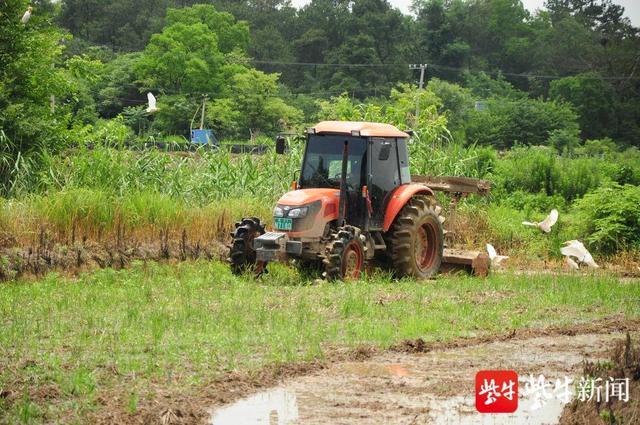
[(436, 386), (415, 382)]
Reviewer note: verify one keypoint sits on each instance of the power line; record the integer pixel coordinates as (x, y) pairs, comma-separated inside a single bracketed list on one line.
[(435, 66)]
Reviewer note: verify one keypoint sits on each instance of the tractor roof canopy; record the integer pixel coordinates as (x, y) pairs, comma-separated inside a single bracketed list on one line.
[(363, 129)]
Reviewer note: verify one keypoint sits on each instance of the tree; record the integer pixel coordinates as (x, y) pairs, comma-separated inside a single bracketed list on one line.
[(252, 107), (117, 89), (602, 16), (189, 54), (490, 34), (182, 59), (29, 76), (231, 35), (593, 99), (121, 24)]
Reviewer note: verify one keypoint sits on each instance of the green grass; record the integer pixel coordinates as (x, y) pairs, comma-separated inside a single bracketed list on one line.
[(177, 327)]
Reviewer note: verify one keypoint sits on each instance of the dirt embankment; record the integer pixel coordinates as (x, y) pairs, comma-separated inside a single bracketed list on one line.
[(624, 364), (46, 255)]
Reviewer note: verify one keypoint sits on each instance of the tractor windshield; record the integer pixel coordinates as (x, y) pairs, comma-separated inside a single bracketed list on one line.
[(322, 166)]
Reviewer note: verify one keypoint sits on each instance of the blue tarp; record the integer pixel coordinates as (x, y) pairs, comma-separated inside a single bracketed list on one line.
[(203, 137)]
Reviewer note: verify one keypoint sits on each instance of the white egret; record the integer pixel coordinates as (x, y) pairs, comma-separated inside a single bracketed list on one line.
[(493, 255), (152, 108), (547, 224), (27, 15), (577, 250)]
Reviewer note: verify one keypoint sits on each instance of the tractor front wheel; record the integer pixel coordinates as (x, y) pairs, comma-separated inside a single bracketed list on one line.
[(344, 256), (416, 239), (242, 256)]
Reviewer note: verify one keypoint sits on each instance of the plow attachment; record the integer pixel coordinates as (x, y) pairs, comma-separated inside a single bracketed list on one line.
[(457, 188)]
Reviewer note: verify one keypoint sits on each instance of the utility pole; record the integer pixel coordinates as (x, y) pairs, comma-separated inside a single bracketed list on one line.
[(422, 67), (204, 105)]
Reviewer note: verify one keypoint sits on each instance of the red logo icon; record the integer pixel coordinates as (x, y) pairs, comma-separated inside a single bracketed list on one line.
[(496, 391)]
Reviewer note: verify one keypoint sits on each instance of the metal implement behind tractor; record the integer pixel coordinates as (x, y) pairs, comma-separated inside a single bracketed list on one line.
[(356, 201)]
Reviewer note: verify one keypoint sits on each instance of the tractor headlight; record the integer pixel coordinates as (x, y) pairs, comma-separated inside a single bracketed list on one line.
[(278, 212), (298, 212)]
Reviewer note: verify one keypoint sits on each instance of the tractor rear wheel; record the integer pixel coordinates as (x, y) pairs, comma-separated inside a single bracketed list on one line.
[(344, 256), (416, 238), (242, 256)]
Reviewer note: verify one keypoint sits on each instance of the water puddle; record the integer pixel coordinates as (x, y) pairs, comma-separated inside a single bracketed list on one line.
[(280, 407), (275, 407)]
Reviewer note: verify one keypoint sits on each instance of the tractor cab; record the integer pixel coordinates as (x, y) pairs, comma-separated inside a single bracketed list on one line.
[(354, 199), (376, 164)]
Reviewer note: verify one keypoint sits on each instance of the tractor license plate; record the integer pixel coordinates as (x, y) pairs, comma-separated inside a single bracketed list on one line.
[(284, 224)]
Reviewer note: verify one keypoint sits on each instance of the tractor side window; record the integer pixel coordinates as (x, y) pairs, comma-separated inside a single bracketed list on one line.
[(385, 151), (403, 158), (385, 176)]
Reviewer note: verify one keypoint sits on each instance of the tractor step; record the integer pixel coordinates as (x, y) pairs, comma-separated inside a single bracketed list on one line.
[(476, 261)]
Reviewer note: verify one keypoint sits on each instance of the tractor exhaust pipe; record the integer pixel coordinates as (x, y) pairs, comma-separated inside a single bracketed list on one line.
[(343, 185)]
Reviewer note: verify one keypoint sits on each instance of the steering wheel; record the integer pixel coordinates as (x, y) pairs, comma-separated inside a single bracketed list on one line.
[(348, 177)]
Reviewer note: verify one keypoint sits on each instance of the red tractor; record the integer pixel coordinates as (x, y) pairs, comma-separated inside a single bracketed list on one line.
[(356, 201)]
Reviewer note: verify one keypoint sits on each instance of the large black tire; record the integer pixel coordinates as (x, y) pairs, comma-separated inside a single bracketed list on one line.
[(242, 256), (345, 254), (415, 241)]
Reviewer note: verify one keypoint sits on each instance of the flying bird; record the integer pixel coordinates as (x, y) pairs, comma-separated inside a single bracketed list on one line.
[(547, 224), (577, 250), (152, 104), (27, 15), (493, 255)]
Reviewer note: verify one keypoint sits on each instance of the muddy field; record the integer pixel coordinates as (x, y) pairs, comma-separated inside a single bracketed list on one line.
[(432, 387)]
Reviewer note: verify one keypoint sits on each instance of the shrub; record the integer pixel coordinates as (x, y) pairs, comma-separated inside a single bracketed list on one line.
[(111, 132), (534, 202), (505, 123), (539, 169), (609, 218), (529, 169), (564, 140)]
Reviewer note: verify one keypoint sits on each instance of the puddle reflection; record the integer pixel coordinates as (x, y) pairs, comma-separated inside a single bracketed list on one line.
[(275, 407)]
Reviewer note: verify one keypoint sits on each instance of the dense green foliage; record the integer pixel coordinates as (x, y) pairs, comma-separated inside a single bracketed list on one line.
[(189, 50), (573, 42), (611, 216)]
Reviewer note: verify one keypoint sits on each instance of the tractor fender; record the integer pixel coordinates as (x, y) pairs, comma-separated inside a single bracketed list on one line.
[(399, 199)]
